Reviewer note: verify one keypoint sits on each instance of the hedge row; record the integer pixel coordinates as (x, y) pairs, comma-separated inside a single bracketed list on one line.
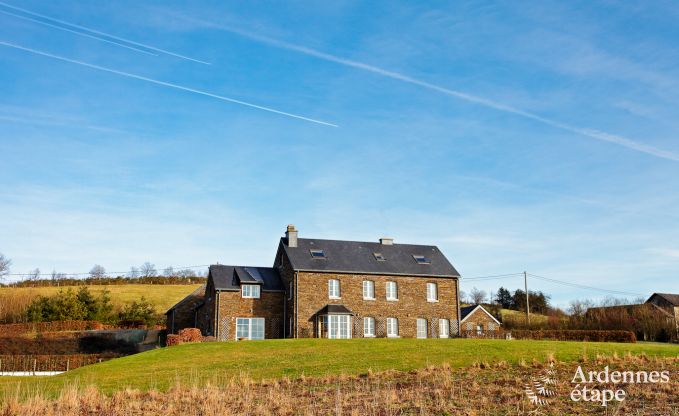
[(50, 362), (575, 335), (67, 344), (111, 281), (8, 330)]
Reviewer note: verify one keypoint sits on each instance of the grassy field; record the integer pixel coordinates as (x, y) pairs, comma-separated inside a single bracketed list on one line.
[(521, 316), (162, 296), (218, 362)]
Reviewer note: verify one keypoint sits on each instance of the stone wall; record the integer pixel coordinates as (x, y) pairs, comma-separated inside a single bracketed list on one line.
[(411, 304), (269, 306)]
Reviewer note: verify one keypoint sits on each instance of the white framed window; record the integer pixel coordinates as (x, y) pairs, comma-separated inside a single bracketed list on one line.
[(337, 326), (392, 291), (250, 291), (368, 327), (333, 289), (479, 329), (392, 327), (368, 290), (491, 326), (249, 328), (432, 292), (469, 326), (444, 328), (421, 328)]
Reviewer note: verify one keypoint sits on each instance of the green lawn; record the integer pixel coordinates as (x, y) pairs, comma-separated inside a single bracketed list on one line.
[(218, 361)]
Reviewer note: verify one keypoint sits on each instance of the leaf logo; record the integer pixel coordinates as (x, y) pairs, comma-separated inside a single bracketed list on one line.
[(540, 388)]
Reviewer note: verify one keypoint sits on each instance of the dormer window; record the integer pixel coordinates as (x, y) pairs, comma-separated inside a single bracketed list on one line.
[(379, 257), (421, 259), (317, 254), (250, 291)]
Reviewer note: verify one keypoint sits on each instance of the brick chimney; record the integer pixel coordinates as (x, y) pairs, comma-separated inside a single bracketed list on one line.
[(291, 235), (386, 241)]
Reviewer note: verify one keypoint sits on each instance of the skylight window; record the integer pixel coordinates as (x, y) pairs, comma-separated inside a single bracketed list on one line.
[(421, 259), (379, 257), (317, 254)]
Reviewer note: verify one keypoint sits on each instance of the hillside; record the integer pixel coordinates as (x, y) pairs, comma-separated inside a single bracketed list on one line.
[(162, 296), (218, 362)]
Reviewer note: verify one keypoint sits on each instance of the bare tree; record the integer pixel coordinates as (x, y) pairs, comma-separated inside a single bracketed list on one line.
[(133, 273), (57, 276), (169, 271), (4, 266), (463, 296), (147, 270), (33, 274), (185, 273), (97, 271), (478, 296)]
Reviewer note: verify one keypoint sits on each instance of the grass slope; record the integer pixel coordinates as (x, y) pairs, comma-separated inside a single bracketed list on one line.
[(217, 362), (162, 296)]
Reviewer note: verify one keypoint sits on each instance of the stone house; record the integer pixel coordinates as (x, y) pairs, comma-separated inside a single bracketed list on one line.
[(476, 320), (333, 289)]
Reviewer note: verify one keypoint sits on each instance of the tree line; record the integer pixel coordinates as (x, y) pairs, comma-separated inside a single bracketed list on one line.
[(147, 273), (504, 299)]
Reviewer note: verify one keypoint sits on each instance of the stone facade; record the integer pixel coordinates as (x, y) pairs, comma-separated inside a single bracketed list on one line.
[(479, 317), (412, 303), (295, 290), (231, 306)]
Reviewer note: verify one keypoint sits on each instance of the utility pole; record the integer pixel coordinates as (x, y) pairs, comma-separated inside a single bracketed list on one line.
[(525, 282)]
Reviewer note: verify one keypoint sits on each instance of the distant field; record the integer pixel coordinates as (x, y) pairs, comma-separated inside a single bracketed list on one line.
[(217, 362), (162, 296), (516, 315)]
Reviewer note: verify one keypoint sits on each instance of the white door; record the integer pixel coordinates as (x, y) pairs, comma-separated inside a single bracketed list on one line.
[(249, 328), (339, 326), (421, 328), (444, 328)]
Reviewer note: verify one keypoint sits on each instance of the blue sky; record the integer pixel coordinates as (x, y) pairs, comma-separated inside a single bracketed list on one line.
[(539, 138)]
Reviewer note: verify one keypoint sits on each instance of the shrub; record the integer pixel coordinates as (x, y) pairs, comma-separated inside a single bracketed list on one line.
[(71, 306), (575, 335), (7, 330), (141, 312)]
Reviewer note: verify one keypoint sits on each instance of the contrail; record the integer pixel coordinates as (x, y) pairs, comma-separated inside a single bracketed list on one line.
[(591, 133), (76, 32), (103, 34), (166, 84)]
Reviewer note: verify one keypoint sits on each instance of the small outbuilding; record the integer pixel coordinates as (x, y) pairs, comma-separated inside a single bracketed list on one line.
[(476, 320)]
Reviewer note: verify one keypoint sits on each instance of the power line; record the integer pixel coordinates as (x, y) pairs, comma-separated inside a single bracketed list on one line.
[(551, 280), (561, 282), (492, 277)]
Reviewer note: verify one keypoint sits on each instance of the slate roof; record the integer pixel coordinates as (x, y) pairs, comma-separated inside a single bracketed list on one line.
[(335, 309), (468, 310), (198, 293), (230, 277), (358, 257), (671, 298)]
